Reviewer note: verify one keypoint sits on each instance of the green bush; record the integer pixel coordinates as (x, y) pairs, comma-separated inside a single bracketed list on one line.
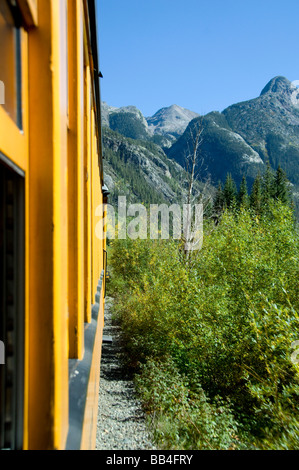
[(226, 319), (183, 417)]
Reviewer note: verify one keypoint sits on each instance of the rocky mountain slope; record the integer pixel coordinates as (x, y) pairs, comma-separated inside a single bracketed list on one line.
[(222, 150), (170, 122), (141, 171), (270, 125), (245, 135), (239, 140), (163, 128)]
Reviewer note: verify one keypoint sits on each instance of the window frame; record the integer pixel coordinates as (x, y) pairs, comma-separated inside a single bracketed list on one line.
[(29, 12), (14, 137)]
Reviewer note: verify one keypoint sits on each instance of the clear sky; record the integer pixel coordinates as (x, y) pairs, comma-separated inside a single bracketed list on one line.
[(203, 55)]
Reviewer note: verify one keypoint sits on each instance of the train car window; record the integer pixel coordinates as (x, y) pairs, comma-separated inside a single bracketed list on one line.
[(12, 267), (10, 62)]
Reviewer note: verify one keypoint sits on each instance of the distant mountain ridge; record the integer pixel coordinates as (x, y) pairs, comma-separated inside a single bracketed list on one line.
[(245, 135), (164, 127), (239, 140), (172, 120)]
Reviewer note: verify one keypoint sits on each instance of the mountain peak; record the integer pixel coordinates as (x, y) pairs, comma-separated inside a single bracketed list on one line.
[(171, 120), (279, 85)]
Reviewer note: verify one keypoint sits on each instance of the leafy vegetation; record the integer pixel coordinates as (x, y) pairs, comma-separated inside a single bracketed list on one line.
[(211, 339)]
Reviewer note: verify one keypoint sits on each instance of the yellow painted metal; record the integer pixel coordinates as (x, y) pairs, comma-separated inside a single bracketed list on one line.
[(25, 137), (41, 226), (92, 204), (58, 150), (97, 200), (76, 179), (60, 223), (87, 197), (48, 322), (16, 147)]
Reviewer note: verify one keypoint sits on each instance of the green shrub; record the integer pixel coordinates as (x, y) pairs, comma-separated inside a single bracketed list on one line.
[(183, 417), (226, 320)]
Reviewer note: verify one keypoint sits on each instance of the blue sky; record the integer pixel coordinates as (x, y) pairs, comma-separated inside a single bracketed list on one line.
[(203, 55)]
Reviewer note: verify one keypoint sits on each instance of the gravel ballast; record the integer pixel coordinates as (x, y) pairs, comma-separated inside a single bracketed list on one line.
[(121, 421)]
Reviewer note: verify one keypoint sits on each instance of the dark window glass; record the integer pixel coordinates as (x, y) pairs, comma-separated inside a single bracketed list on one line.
[(11, 307)]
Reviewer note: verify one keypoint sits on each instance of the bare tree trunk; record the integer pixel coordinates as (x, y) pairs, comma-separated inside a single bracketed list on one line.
[(196, 144), (193, 156)]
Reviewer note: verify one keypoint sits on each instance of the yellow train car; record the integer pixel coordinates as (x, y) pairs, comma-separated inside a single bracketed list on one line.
[(52, 278)]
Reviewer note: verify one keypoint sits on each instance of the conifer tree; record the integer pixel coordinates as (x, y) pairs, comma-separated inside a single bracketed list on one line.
[(256, 195), (219, 200), (230, 191), (268, 184), (281, 186), (243, 198)]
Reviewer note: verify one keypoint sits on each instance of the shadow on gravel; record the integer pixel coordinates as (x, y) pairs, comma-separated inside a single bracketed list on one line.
[(121, 421), (113, 360)]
